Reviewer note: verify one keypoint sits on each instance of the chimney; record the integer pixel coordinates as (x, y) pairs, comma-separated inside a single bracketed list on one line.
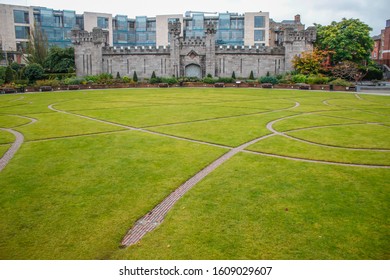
[(297, 19)]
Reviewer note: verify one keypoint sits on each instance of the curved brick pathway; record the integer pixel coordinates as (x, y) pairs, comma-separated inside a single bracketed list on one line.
[(14, 147), (155, 217)]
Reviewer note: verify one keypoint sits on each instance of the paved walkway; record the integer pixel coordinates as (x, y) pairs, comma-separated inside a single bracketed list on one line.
[(14, 147), (155, 217)]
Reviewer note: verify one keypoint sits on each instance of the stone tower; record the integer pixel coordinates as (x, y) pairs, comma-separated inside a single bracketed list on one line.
[(210, 49), (174, 32), (296, 42), (88, 50)]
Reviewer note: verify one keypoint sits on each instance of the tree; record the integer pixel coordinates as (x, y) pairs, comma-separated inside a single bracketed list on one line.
[(349, 40), (312, 62), (251, 76), (233, 75), (33, 72), (153, 75), (135, 77), (349, 70), (60, 60), (9, 75), (37, 49)]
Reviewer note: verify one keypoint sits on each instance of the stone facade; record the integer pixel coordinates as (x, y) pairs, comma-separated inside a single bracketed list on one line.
[(187, 57)]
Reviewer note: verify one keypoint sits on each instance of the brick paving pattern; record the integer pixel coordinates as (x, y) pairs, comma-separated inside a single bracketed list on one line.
[(14, 147)]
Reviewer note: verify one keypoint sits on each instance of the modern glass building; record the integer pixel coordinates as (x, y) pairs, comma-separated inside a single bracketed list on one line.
[(17, 22)]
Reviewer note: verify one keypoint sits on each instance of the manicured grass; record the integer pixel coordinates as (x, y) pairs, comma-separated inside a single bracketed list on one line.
[(3, 149), (230, 131), (76, 198), (76, 185), (281, 210), (310, 120), (53, 125), (6, 137), (12, 121), (157, 115), (297, 149), (354, 136)]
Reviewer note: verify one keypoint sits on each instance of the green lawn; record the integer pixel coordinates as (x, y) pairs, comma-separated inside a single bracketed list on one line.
[(77, 185)]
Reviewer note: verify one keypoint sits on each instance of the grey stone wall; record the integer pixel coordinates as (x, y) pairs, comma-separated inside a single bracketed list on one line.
[(93, 56)]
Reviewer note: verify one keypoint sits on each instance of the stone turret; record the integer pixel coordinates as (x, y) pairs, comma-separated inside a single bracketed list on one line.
[(88, 50), (210, 48), (175, 31), (296, 42)]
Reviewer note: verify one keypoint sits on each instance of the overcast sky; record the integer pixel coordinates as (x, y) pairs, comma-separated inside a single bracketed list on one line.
[(372, 12)]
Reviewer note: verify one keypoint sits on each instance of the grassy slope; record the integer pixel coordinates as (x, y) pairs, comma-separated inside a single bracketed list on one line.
[(75, 198), (282, 210)]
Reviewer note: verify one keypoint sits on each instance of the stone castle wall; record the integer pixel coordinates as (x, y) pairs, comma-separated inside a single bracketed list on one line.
[(193, 56)]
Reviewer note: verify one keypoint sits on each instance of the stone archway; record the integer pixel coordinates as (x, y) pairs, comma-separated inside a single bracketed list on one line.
[(193, 70)]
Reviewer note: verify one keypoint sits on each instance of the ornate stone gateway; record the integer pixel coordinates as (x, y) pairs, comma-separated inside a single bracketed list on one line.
[(193, 70)]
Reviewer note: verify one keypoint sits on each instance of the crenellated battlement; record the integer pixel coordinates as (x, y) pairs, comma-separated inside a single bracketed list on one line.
[(132, 50), (228, 49), (308, 35), (97, 36), (193, 41)]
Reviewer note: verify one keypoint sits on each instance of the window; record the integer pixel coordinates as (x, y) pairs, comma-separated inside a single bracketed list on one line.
[(198, 22), (69, 19), (22, 32), (151, 26), (21, 17), (259, 22), (259, 35), (224, 21), (102, 22), (121, 23), (57, 21), (140, 23), (22, 46)]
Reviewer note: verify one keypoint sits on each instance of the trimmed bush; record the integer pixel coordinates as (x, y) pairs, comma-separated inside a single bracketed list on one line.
[(209, 80), (317, 80), (73, 81), (225, 80), (135, 77), (299, 78), (251, 76), (9, 75), (341, 82), (50, 83), (34, 72), (268, 80), (126, 79), (169, 81)]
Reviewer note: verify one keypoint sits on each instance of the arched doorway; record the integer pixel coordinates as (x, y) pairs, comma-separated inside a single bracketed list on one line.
[(193, 70)]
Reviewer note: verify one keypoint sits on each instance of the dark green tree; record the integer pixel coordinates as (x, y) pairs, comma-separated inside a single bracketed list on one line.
[(37, 49), (349, 40), (9, 75), (33, 72), (135, 77), (233, 75), (153, 75), (60, 60), (251, 76)]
